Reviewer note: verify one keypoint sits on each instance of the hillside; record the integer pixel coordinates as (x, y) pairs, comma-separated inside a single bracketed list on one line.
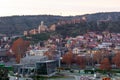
[(83, 27), (17, 24), (115, 16)]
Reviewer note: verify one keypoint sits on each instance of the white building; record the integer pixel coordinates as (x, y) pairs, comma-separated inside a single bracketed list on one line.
[(37, 52), (34, 55)]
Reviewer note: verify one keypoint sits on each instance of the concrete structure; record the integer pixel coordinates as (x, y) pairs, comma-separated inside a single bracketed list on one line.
[(31, 60)]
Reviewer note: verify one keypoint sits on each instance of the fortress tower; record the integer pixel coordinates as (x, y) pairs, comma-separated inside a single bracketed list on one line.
[(42, 27)]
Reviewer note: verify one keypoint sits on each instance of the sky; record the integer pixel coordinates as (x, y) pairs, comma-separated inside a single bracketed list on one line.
[(57, 7)]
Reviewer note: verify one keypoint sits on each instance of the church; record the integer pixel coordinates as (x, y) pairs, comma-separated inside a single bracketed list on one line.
[(41, 28)]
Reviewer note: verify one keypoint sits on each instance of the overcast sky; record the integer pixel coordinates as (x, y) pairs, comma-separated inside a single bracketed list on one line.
[(57, 7)]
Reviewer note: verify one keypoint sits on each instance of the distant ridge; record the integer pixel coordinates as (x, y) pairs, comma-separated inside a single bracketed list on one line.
[(17, 24)]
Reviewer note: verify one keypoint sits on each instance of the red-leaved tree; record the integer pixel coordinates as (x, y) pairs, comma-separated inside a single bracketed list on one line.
[(116, 60), (68, 58), (105, 64), (19, 47), (80, 60)]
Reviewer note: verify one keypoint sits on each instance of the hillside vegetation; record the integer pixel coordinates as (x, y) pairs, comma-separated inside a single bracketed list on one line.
[(17, 24)]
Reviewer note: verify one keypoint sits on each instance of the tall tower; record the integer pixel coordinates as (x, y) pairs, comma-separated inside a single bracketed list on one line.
[(39, 28), (42, 23), (42, 27)]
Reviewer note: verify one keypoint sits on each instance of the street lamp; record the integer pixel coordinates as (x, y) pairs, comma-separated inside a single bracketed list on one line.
[(17, 76), (59, 58), (91, 55)]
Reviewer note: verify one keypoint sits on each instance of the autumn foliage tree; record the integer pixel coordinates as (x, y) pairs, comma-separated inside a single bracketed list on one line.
[(105, 64), (89, 61), (97, 57), (68, 58), (116, 60), (80, 60), (19, 47)]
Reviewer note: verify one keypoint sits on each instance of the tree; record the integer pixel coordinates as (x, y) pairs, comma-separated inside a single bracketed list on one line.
[(88, 59), (19, 47), (116, 60), (97, 57), (68, 58), (80, 60), (105, 64)]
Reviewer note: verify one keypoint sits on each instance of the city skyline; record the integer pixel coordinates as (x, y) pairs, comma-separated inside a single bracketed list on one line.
[(57, 7)]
